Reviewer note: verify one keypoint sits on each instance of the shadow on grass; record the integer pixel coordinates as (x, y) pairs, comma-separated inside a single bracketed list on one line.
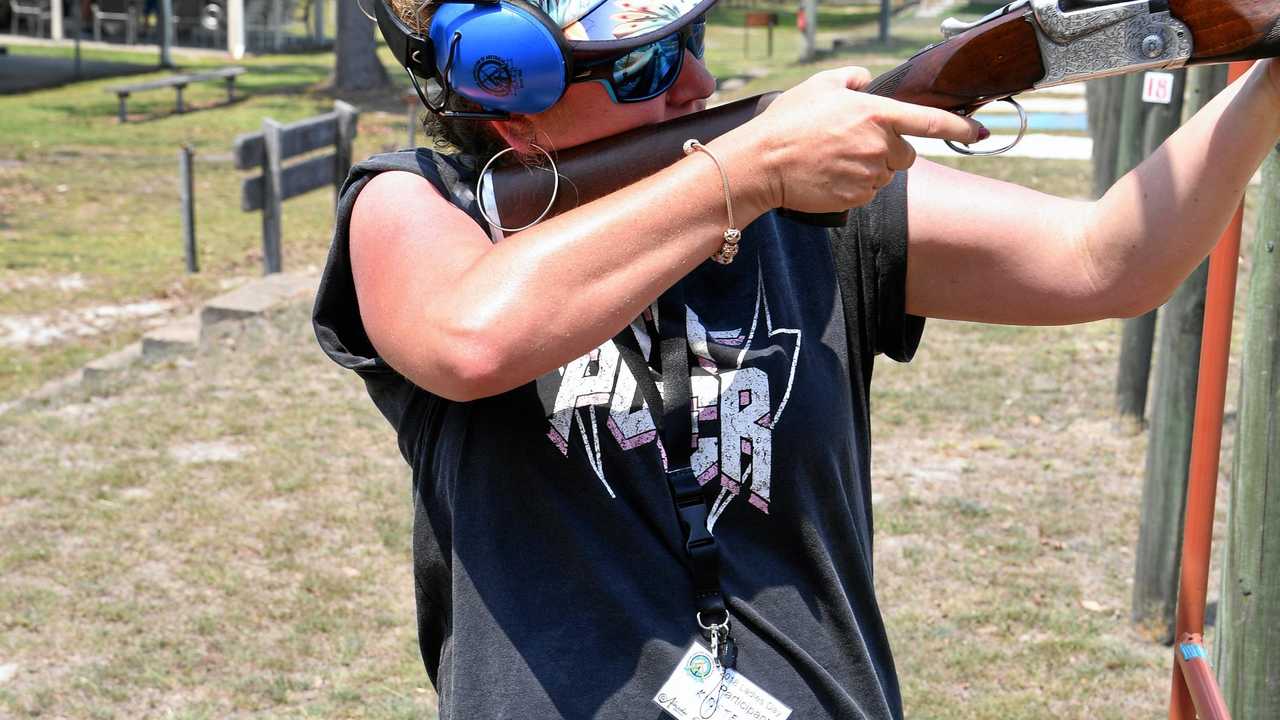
[(23, 74), (283, 79), (189, 107)]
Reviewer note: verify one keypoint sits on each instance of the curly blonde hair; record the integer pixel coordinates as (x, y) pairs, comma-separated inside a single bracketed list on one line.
[(475, 138), (414, 13)]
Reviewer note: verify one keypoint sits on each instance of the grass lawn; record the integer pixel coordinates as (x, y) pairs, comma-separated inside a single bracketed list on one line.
[(240, 556)]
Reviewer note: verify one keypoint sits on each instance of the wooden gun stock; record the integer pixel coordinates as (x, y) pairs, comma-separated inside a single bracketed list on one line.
[(1024, 45), (994, 60)]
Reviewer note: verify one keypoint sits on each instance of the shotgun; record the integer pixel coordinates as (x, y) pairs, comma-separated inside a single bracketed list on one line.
[(1025, 45)]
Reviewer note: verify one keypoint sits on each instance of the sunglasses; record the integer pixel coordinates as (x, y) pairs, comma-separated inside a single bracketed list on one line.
[(649, 70)]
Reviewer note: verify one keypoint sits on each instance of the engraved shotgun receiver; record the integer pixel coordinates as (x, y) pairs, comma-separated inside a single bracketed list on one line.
[(1033, 44), (1025, 45)]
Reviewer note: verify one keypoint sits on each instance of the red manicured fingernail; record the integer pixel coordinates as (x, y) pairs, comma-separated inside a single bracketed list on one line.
[(983, 133)]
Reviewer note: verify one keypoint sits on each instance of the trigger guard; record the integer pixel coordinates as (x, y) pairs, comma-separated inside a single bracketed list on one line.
[(1022, 130)]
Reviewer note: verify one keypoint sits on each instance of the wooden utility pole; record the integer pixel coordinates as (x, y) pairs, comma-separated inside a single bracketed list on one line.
[(1164, 490), (810, 29), (886, 9), (1248, 646), (1104, 105), (166, 33), (1143, 127)]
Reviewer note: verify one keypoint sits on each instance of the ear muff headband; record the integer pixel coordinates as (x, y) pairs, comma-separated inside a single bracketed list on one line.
[(410, 49), (506, 56)]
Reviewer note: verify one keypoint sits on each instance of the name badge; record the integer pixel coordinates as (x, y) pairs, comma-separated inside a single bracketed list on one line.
[(697, 690)]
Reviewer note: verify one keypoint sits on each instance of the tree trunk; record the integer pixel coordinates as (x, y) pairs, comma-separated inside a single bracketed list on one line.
[(1143, 127), (1248, 647), (357, 66), (1164, 490)]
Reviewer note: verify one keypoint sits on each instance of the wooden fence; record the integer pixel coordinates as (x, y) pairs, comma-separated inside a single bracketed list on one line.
[(275, 144)]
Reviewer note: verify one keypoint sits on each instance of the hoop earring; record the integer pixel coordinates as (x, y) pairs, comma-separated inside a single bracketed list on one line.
[(366, 12), (555, 190)]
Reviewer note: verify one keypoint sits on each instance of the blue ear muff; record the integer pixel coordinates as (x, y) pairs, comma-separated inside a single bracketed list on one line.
[(502, 56)]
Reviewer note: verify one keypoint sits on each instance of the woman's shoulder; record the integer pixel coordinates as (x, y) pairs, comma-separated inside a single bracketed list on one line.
[(395, 179)]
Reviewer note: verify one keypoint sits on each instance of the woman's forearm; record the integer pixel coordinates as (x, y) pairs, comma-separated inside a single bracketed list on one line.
[(1160, 220), (556, 291)]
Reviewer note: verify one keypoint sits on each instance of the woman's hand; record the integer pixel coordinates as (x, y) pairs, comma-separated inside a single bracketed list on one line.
[(824, 147)]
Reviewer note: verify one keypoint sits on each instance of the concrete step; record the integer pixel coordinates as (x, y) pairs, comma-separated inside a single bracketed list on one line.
[(177, 337), (108, 366), (253, 299)]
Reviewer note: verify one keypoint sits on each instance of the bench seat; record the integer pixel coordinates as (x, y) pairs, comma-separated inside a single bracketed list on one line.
[(178, 83)]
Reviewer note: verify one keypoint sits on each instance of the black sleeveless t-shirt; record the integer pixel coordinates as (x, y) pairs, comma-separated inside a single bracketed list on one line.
[(549, 566)]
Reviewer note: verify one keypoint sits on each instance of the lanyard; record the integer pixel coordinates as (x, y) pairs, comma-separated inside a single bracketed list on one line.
[(674, 418)]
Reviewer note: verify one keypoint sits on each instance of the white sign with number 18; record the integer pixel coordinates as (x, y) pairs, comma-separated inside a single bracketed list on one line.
[(1157, 87)]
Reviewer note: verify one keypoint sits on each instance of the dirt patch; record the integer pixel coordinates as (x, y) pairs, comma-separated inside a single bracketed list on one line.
[(208, 452), (38, 330), (63, 283), (239, 556)]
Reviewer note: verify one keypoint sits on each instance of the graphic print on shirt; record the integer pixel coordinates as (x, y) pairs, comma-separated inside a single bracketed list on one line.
[(741, 381)]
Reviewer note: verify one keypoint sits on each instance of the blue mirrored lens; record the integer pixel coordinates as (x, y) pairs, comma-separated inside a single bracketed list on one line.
[(647, 71), (698, 38)]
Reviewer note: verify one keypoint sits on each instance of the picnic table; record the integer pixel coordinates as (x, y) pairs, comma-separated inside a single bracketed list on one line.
[(178, 83)]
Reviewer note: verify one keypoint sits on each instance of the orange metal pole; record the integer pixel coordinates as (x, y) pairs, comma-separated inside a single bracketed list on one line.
[(1202, 482), (1205, 694)]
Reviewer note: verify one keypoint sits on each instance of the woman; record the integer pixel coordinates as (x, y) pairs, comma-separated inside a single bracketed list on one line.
[(532, 380)]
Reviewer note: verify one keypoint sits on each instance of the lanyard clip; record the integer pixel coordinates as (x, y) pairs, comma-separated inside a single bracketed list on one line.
[(723, 651)]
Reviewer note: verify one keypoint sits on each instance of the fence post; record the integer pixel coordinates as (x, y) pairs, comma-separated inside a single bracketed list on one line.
[(188, 189), (347, 115), (1248, 652), (271, 197)]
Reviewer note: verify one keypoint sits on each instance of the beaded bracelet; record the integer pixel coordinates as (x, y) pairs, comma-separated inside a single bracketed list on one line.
[(729, 250)]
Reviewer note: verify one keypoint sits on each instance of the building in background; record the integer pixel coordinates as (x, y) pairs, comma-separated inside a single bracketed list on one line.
[(238, 26)]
